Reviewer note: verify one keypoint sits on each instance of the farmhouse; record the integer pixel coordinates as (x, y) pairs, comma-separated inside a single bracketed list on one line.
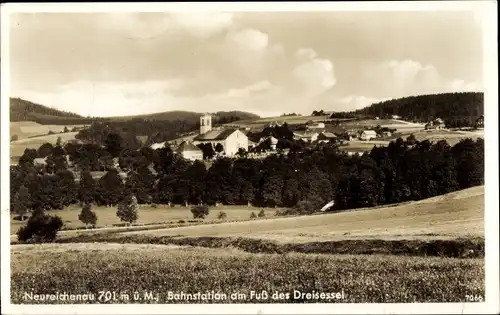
[(312, 125), (368, 135), (231, 139), (326, 137), (480, 122), (437, 124), (307, 136), (189, 151)]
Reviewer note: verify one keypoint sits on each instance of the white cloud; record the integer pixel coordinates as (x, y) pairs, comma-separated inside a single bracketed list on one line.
[(400, 78), (462, 86), (201, 24), (352, 102), (144, 25), (258, 87), (109, 98), (314, 76), (250, 39), (305, 54)]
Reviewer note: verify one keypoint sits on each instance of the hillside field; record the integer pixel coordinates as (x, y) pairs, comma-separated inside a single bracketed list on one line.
[(26, 129), (147, 215), (17, 147), (458, 214), (274, 255)]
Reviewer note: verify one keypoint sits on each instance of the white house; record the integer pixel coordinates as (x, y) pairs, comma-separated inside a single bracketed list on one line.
[(231, 139), (368, 135), (308, 136), (437, 123), (313, 125), (396, 117), (189, 151)]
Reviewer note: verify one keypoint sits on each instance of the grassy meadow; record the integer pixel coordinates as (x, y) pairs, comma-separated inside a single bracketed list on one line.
[(148, 214), (160, 269), (17, 147)]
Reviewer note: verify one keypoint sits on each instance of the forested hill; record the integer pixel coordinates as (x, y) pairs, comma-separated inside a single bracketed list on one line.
[(22, 110), (447, 106), (192, 117)]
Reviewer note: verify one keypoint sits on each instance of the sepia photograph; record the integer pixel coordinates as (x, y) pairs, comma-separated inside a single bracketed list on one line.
[(250, 158)]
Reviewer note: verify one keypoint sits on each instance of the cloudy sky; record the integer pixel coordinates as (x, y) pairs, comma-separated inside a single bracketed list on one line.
[(268, 63)]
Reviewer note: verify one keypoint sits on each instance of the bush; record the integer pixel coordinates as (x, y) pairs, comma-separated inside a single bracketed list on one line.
[(40, 228), (222, 215), (252, 215), (200, 212), (182, 221), (305, 207), (262, 213), (154, 205), (14, 138)]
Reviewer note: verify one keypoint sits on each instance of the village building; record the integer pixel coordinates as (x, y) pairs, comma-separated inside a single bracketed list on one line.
[(314, 125), (368, 135), (396, 117), (231, 139), (274, 124), (189, 151), (435, 124), (307, 136), (326, 136), (480, 122)]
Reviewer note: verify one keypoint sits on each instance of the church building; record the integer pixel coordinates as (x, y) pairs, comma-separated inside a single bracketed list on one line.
[(231, 139)]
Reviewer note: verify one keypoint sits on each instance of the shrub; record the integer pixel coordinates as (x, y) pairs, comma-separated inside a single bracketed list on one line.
[(305, 207), (14, 138), (182, 221), (222, 215), (200, 212), (40, 228), (262, 213), (154, 205), (252, 215)]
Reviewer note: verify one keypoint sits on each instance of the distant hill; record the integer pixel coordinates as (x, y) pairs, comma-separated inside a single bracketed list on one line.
[(192, 117), (447, 106), (22, 110)]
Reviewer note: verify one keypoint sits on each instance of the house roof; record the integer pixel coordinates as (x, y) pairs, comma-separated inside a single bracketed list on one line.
[(187, 147), (370, 132), (306, 134), (328, 134), (155, 146), (215, 135)]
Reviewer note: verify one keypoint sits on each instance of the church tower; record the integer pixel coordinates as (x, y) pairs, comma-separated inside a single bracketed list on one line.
[(205, 123)]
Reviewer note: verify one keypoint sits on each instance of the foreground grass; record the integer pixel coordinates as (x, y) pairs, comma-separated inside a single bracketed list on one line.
[(120, 269)]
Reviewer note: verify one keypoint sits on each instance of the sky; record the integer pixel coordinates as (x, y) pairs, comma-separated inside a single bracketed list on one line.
[(268, 63)]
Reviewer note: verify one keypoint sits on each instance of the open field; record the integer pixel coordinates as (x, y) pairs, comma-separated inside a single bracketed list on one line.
[(147, 215), (25, 129), (452, 137), (291, 120), (80, 269), (17, 147), (458, 214), (362, 146)]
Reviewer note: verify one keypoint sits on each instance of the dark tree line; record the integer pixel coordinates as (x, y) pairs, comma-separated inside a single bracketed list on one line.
[(306, 179)]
